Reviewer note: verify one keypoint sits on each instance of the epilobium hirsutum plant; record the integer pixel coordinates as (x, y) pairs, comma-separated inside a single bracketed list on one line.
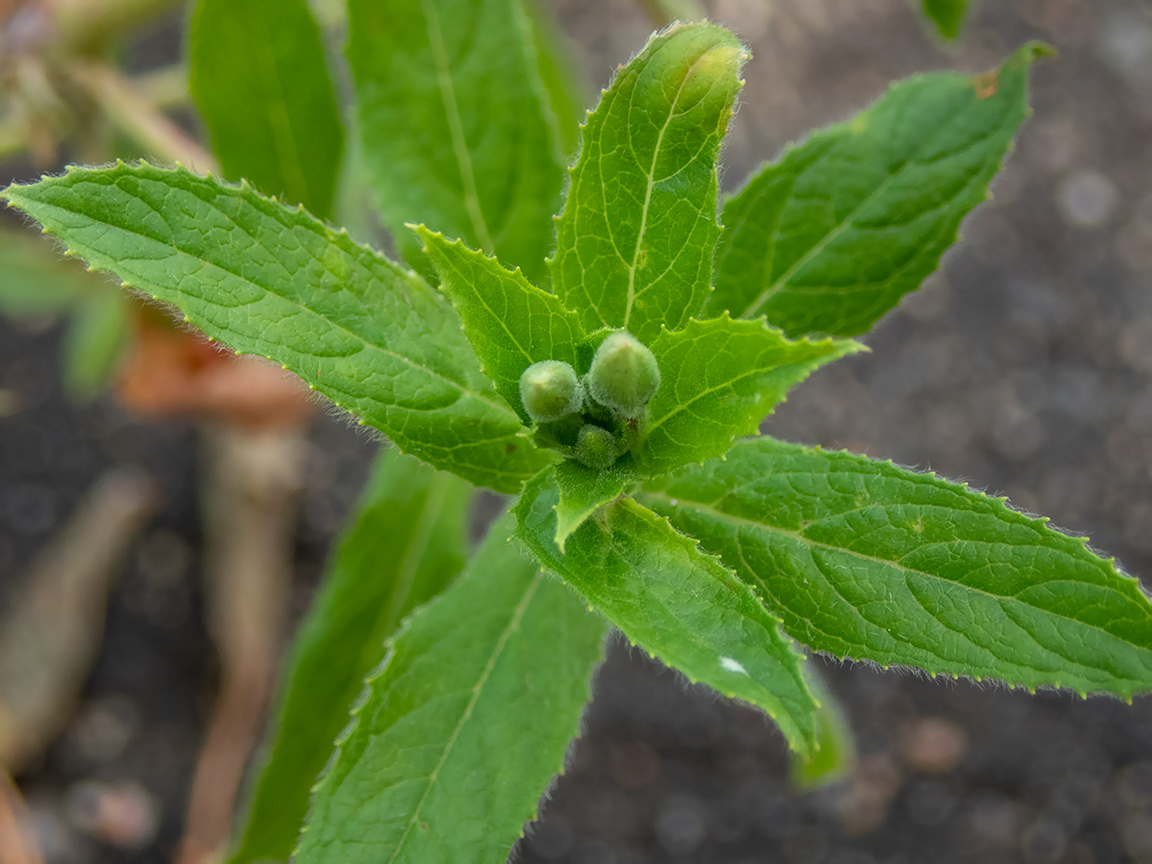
[(616, 388)]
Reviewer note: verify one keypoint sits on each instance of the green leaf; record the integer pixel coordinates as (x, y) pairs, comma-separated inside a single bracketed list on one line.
[(562, 77), (834, 761), (830, 237), (260, 79), (459, 130), (869, 561), (36, 279), (464, 723), (510, 322), (582, 492), (636, 238), (676, 603), (274, 281), (407, 541), (97, 337), (948, 16), (719, 378)]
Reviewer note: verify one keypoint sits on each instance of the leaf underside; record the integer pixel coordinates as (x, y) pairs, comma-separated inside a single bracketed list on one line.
[(677, 603), (830, 237), (273, 281), (869, 561), (636, 237), (407, 541), (464, 723), (258, 74)]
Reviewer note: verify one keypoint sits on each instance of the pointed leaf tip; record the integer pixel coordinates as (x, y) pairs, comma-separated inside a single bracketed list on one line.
[(149, 225), (814, 269), (652, 235)]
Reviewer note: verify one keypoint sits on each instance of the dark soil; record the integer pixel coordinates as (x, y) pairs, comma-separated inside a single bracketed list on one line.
[(1024, 368)]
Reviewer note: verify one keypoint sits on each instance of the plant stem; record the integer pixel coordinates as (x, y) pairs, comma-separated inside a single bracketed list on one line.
[(84, 24), (250, 492), (12, 138), (17, 843), (53, 627), (127, 109), (164, 88)]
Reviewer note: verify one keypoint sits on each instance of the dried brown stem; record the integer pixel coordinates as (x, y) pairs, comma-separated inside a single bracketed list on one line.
[(17, 843), (55, 622), (250, 493)]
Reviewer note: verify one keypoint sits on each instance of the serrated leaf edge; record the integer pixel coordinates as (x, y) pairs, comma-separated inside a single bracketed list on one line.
[(693, 543), (1041, 524)]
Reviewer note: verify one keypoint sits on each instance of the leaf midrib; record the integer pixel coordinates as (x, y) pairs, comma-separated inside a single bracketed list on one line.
[(529, 51), (486, 673), (720, 515), (531, 291), (414, 551), (837, 230), (284, 140), (681, 407), (268, 291), (456, 126), (682, 551), (651, 175)]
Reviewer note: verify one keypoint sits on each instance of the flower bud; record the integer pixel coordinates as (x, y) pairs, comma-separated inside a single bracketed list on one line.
[(624, 375), (596, 447), (550, 390)]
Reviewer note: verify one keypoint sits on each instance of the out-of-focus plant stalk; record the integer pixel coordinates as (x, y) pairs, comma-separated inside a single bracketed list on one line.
[(17, 841), (250, 490), (164, 88), (86, 24), (54, 624), (128, 110)]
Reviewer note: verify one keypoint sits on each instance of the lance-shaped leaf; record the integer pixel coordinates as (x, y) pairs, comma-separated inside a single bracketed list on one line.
[(830, 238), (36, 281), (510, 322), (677, 603), (464, 723), (274, 281), (837, 755), (458, 114), (259, 77), (867, 560), (562, 76), (582, 491), (98, 336), (407, 540), (719, 378), (947, 16), (638, 231)]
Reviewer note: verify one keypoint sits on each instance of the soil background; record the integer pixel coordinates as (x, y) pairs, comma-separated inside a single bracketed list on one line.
[(1024, 368)]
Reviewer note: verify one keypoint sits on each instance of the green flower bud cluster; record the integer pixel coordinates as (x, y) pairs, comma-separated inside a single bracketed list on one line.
[(594, 420)]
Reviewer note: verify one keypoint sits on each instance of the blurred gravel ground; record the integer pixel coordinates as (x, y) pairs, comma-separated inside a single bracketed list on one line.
[(1024, 368)]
